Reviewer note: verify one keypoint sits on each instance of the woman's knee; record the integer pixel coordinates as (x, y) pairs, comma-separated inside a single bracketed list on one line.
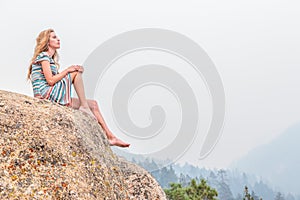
[(93, 104), (73, 75)]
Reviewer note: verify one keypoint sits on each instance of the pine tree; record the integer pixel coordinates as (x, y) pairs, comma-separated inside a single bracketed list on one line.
[(193, 191), (212, 179), (176, 192), (182, 180), (224, 191), (222, 186), (247, 195), (254, 196), (167, 176), (279, 196)]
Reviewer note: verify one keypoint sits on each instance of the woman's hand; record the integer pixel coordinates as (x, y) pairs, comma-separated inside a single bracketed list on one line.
[(75, 68)]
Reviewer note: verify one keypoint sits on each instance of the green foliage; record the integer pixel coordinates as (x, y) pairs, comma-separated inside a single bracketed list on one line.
[(193, 191), (247, 195)]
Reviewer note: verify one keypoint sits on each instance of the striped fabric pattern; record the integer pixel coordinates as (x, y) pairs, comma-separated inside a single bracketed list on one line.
[(60, 92)]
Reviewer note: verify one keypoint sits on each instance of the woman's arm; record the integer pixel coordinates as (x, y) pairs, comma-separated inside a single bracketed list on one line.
[(52, 79)]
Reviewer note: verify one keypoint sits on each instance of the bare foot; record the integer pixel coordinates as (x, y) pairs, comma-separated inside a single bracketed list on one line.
[(87, 110), (117, 142)]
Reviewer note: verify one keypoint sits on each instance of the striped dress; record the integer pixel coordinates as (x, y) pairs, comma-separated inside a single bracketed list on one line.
[(60, 92)]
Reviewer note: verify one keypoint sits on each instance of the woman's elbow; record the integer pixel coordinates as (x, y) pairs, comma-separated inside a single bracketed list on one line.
[(50, 82)]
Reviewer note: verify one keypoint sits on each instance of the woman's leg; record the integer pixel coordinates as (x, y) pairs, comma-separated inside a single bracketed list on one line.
[(113, 140), (79, 87), (93, 105)]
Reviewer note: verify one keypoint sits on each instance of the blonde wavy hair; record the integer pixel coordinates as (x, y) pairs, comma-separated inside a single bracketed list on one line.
[(42, 45)]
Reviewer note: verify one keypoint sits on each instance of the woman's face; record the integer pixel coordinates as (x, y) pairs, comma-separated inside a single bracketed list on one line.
[(54, 41)]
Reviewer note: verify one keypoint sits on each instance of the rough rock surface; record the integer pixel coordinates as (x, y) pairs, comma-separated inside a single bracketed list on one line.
[(48, 151)]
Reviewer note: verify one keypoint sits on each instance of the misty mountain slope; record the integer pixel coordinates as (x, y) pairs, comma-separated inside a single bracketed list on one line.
[(278, 161)]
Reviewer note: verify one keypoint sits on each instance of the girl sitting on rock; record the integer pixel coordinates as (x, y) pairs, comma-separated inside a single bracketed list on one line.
[(49, 84)]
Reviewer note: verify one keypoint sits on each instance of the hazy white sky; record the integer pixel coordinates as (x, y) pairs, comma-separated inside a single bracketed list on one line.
[(255, 46)]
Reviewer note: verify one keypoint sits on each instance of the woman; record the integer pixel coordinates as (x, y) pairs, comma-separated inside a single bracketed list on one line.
[(48, 84)]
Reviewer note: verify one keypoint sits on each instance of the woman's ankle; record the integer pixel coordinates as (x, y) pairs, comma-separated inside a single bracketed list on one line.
[(85, 106)]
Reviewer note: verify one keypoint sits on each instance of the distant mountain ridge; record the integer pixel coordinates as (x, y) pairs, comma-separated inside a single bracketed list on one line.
[(278, 161), (267, 169)]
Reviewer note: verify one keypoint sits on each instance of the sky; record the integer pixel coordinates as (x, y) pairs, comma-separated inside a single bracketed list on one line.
[(254, 45)]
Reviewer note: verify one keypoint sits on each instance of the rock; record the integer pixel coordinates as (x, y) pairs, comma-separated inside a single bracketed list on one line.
[(55, 152)]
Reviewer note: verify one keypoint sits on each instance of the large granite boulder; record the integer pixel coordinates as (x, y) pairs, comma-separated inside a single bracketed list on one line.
[(48, 151)]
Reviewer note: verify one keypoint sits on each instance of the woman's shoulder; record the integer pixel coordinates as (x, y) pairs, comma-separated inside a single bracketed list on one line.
[(43, 56)]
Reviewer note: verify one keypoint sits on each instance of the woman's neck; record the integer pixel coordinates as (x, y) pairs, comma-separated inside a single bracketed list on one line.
[(51, 52)]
